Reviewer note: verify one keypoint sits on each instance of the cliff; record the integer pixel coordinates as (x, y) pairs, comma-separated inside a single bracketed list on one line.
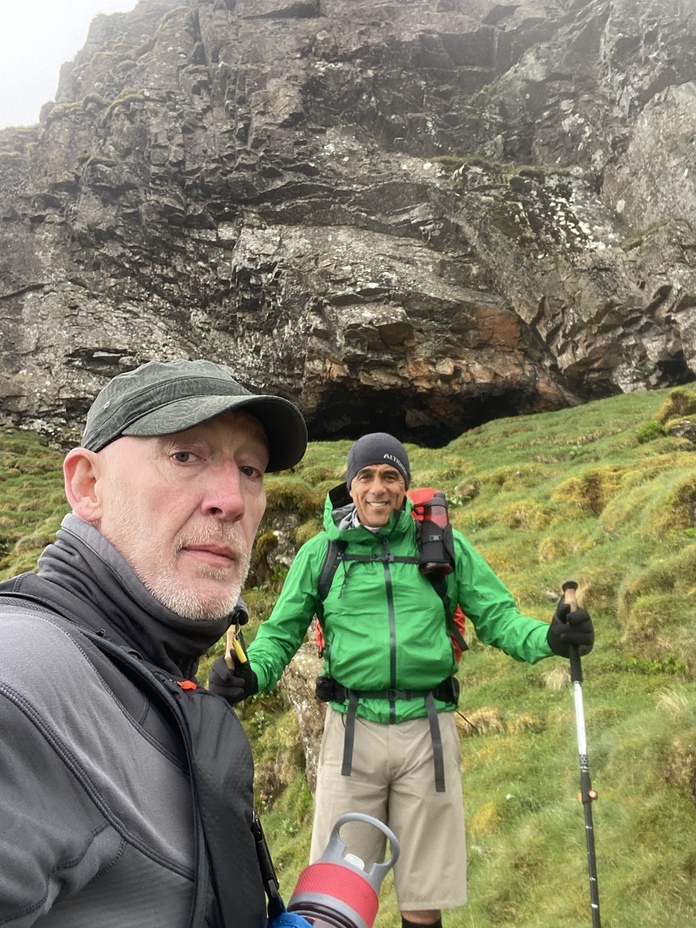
[(415, 215)]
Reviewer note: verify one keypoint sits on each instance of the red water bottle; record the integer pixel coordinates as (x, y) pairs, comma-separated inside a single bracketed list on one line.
[(336, 891)]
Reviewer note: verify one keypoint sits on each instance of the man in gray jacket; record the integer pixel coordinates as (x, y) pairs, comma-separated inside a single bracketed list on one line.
[(125, 788)]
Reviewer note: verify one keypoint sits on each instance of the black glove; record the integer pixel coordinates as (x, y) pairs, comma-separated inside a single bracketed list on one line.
[(233, 685), (570, 628)]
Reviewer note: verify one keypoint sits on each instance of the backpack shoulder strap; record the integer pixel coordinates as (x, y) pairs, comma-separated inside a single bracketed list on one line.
[(334, 555), (238, 899), (440, 585)]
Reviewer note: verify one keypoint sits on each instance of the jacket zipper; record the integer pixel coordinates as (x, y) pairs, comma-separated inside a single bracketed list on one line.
[(392, 626)]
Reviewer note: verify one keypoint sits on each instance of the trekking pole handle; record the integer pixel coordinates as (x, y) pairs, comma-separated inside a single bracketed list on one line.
[(570, 598), (570, 594), (234, 643)]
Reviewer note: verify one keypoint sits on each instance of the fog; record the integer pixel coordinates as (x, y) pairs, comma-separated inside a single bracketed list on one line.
[(36, 38)]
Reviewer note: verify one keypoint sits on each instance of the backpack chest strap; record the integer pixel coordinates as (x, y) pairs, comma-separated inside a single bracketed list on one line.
[(383, 558)]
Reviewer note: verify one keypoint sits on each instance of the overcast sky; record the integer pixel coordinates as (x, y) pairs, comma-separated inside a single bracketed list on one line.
[(36, 38)]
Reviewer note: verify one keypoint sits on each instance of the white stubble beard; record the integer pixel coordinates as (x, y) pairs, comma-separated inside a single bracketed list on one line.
[(161, 580), (188, 604)]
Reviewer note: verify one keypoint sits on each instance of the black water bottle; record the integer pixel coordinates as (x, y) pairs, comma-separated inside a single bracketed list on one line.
[(433, 522), (336, 891)]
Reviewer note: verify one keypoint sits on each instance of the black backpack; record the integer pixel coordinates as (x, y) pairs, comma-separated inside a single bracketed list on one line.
[(240, 868)]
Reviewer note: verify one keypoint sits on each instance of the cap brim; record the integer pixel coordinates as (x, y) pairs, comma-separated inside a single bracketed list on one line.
[(282, 422)]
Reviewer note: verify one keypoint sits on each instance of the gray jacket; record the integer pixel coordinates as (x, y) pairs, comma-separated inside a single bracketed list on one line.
[(98, 824)]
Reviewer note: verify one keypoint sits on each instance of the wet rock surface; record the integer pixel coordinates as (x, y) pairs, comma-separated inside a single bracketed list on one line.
[(416, 215)]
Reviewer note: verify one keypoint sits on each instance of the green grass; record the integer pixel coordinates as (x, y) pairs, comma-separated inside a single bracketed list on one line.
[(32, 501), (604, 494)]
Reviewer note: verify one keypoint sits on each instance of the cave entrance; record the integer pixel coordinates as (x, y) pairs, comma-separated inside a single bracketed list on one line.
[(430, 420)]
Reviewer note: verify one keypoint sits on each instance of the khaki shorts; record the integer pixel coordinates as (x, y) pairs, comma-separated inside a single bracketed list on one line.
[(393, 780)]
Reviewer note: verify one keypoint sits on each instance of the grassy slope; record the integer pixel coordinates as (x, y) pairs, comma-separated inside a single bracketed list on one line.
[(600, 494)]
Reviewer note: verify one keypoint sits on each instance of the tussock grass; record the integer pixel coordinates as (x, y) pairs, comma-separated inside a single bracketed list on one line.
[(32, 501), (604, 494)]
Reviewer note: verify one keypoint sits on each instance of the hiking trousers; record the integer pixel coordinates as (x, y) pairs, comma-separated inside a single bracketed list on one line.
[(392, 780)]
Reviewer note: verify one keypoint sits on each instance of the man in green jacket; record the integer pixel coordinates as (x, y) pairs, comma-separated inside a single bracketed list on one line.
[(390, 747)]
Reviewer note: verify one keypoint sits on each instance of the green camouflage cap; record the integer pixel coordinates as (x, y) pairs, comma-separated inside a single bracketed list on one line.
[(161, 398)]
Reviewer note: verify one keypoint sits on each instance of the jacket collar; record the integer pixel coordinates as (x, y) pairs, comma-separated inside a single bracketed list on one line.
[(86, 580)]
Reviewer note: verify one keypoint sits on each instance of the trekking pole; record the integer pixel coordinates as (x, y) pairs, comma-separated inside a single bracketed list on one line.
[(587, 794)]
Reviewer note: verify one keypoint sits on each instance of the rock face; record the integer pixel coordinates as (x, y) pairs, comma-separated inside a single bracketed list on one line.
[(415, 215), (299, 683)]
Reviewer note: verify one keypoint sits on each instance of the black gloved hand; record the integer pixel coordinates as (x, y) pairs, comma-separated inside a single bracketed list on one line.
[(234, 684), (570, 628)]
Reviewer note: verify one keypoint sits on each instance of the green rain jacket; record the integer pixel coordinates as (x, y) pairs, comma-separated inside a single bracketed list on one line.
[(384, 624)]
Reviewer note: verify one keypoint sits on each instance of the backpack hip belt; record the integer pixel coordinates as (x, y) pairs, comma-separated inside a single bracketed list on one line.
[(329, 690)]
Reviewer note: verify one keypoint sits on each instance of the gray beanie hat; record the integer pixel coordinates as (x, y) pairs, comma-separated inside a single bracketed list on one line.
[(377, 448)]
